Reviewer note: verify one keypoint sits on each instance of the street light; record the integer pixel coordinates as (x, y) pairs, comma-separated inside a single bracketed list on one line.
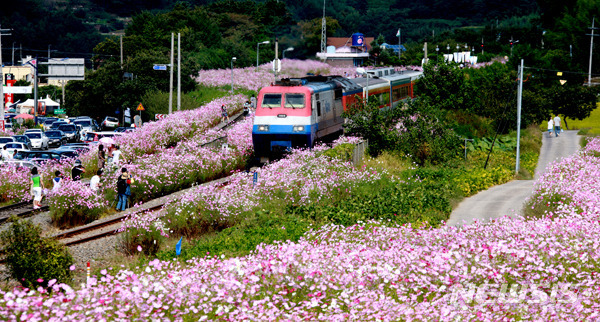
[(289, 49), (232, 60), (257, 50)]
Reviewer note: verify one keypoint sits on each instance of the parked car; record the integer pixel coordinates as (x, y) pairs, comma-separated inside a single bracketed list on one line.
[(38, 140), (110, 122), (18, 164), (96, 136), (6, 139), (23, 139), (77, 147), (124, 129), (71, 132), (33, 131), (87, 125), (65, 153), (57, 124), (48, 122), (56, 138), (18, 146), (31, 155)]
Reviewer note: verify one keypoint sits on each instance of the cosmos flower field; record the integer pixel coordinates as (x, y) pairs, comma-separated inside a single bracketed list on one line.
[(513, 268), (509, 269)]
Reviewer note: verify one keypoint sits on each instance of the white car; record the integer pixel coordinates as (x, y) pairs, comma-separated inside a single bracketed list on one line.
[(15, 146), (33, 131), (38, 140), (6, 139), (110, 122)]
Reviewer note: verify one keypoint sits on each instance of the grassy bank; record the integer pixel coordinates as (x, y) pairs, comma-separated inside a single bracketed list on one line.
[(406, 194)]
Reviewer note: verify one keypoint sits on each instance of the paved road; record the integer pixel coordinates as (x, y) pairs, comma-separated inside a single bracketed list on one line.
[(508, 199)]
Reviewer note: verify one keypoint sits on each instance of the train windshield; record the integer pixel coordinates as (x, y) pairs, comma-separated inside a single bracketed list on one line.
[(294, 100), (271, 100)]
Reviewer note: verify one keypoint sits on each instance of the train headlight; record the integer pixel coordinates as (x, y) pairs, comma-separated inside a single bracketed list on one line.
[(298, 128), (263, 128)]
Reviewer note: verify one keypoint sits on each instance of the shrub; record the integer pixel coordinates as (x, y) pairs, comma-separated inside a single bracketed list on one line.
[(75, 204), (148, 240), (33, 260)]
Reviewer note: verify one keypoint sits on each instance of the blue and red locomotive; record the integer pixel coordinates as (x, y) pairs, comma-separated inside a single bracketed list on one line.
[(298, 112)]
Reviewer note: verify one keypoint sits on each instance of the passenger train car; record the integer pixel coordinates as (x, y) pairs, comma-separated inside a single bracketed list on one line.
[(298, 112)]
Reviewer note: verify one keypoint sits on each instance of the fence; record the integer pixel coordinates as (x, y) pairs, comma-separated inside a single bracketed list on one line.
[(360, 149)]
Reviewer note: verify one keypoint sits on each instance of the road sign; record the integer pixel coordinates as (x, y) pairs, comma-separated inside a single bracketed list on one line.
[(159, 67), (276, 65), (140, 107), (18, 89), (59, 111), (160, 116)]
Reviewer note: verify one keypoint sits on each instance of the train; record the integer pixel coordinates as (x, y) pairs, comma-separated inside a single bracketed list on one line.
[(297, 112)]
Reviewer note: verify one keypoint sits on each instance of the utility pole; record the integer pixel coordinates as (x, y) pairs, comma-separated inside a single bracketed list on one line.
[(324, 31), (179, 71), (13, 54), (2, 33), (121, 43), (49, 52), (591, 47), (399, 34), (171, 77), (519, 98)]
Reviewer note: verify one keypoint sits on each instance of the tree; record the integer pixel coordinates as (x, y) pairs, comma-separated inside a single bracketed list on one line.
[(444, 86)]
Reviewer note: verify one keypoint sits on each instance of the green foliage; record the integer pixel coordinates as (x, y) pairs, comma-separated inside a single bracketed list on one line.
[(149, 240), (425, 137), (445, 86), (33, 260), (368, 122), (343, 151), (411, 202), (261, 226)]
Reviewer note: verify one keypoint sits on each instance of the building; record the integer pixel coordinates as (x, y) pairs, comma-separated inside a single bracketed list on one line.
[(343, 52)]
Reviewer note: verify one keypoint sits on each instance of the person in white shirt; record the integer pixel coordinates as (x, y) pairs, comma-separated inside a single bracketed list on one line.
[(57, 181), (116, 156), (5, 155), (550, 127), (95, 181), (556, 125)]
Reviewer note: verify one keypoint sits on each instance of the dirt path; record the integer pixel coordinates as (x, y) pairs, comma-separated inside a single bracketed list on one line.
[(508, 199)]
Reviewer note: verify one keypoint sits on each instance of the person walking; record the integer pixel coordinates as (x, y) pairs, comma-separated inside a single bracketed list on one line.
[(550, 127), (246, 108), (37, 186), (101, 156), (556, 125), (57, 181), (224, 114), (253, 102), (123, 189)]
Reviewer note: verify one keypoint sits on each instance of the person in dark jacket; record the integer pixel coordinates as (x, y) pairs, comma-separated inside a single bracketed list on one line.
[(77, 171), (123, 189)]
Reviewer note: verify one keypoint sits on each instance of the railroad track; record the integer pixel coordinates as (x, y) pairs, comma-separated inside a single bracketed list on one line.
[(19, 209), (105, 228), (110, 226)]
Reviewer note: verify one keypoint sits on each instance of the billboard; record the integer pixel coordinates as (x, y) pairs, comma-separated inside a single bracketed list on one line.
[(66, 69)]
